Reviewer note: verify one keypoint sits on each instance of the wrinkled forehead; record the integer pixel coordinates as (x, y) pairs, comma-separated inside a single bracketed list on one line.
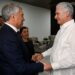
[(60, 9)]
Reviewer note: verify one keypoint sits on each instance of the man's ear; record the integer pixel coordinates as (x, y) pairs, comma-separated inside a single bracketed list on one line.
[(67, 13)]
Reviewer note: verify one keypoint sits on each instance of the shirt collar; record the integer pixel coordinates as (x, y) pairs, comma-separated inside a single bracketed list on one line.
[(13, 27), (67, 24)]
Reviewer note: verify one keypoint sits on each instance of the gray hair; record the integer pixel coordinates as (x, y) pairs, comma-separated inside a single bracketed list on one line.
[(8, 10), (66, 6)]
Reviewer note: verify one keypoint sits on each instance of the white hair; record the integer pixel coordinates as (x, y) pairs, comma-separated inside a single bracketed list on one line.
[(66, 6), (8, 10)]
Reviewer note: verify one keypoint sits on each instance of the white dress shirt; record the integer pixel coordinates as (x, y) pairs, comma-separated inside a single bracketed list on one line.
[(62, 54)]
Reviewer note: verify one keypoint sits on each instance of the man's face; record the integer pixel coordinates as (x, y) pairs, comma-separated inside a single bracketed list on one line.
[(60, 16), (19, 18)]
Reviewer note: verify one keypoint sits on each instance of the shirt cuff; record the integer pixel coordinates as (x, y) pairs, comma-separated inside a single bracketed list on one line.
[(43, 54), (55, 66)]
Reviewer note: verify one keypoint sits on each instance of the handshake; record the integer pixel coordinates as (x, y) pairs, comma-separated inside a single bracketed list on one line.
[(38, 57)]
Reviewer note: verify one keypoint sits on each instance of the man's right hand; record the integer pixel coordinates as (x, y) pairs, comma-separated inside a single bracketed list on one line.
[(37, 57), (47, 66)]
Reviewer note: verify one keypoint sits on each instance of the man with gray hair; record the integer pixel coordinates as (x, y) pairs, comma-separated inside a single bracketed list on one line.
[(62, 53), (14, 59)]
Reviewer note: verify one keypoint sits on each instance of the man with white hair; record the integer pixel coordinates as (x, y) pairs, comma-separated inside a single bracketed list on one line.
[(62, 53)]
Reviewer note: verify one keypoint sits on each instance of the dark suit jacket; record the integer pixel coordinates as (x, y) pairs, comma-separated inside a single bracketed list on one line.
[(14, 56)]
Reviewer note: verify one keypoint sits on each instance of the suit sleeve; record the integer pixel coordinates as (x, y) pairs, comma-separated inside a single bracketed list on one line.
[(15, 58)]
